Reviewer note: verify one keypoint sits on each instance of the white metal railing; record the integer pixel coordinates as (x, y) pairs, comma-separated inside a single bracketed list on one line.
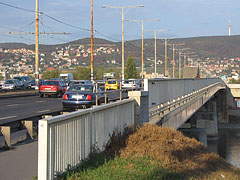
[(163, 90), (67, 139), (162, 109)]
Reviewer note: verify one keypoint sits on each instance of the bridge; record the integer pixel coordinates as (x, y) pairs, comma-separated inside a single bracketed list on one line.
[(191, 105)]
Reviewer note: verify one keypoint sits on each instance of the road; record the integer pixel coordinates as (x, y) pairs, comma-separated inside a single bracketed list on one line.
[(12, 109)]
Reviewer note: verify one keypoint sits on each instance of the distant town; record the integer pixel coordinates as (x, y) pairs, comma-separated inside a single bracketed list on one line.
[(17, 62)]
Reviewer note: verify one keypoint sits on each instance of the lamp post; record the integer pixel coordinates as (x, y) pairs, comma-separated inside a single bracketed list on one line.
[(37, 45), (142, 24), (122, 13), (155, 37), (92, 76)]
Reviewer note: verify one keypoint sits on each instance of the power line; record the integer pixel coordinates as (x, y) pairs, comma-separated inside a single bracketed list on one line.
[(42, 13)]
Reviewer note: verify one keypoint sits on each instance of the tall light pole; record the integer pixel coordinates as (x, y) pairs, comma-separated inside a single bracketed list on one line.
[(155, 37), (142, 23), (174, 64), (180, 63), (165, 72), (122, 13), (37, 45), (92, 76)]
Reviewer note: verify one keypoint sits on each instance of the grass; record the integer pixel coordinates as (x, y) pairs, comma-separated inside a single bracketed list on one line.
[(152, 152)]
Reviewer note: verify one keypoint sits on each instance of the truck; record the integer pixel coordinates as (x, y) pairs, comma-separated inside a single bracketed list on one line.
[(66, 78), (107, 76)]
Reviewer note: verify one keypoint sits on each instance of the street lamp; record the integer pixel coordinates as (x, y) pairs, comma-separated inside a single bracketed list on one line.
[(155, 37), (142, 23), (122, 12)]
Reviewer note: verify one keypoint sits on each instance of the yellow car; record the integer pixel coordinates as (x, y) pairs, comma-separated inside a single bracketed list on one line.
[(112, 85)]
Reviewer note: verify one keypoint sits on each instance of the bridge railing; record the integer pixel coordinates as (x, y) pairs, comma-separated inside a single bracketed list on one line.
[(67, 139), (164, 90)]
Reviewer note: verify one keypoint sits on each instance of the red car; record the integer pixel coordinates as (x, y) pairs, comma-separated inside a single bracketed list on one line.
[(52, 87)]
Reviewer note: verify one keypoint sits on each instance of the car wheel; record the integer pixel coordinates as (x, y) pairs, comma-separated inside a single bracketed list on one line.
[(41, 95)]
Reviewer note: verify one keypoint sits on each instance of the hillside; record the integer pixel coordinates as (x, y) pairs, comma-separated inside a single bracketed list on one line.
[(212, 46)]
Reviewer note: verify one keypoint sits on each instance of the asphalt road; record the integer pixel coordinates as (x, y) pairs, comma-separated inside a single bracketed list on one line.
[(12, 109)]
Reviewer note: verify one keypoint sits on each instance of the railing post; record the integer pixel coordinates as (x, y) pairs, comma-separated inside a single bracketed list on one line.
[(96, 94), (120, 90), (43, 155), (105, 90)]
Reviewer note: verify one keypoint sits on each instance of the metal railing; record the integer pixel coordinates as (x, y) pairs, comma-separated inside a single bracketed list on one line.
[(67, 139), (162, 109)]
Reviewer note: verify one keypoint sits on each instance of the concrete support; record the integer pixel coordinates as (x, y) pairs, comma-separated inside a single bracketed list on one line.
[(222, 106), (29, 126), (141, 110), (197, 133), (208, 118), (6, 131), (14, 137)]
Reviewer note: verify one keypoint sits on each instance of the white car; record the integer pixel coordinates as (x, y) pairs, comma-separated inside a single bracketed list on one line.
[(131, 84), (12, 84)]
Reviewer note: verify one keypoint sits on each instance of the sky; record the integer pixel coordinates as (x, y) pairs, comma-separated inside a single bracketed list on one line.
[(183, 18)]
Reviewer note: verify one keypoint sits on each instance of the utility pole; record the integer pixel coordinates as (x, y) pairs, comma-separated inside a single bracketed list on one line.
[(173, 61), (92, 66), (174, 64), (142, 24), (165, 72), (155, 37), (180, 63), (179, 66), (122, 13), (37, 45)]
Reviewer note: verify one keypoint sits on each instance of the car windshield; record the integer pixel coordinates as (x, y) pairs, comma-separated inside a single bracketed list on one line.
[(81, 88), (54, 83), (10, 82), (112, 82), (19, 78), (127, 82)]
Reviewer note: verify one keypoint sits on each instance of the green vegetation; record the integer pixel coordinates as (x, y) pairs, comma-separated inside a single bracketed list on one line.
[(131, 70), (154, 153), (234, 81), (1, 78), (51, 74)]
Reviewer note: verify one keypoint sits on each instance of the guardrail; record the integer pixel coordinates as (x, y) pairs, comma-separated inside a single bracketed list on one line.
[(163, 90), (67, 139), (162, 109)]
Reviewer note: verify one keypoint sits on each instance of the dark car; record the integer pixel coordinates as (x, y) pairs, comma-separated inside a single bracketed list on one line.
[(82, 95), (52, 87)]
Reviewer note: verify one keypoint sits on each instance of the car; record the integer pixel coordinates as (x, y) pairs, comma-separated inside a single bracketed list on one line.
[(32, 84), (21, 79), (12, 84), (112, 85), (72, 82), (52, 87), (131, 84), (82, 96)]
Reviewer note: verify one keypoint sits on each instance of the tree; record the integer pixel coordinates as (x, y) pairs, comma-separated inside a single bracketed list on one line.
[(51, 74), (131, 70), (82, 73), (1, 78)]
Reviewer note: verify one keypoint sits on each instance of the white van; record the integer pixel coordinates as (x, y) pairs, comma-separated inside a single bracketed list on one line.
[(66, 78)]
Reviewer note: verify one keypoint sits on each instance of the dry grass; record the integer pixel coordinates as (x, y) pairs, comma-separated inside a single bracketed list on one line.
[(175, 151)]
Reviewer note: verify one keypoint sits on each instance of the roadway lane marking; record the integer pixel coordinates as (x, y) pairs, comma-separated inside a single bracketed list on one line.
[(40, 101), (8, 117), (12, 105), (43, 111)]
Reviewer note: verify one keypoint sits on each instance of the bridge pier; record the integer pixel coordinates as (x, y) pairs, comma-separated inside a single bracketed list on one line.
[(207, 118)]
